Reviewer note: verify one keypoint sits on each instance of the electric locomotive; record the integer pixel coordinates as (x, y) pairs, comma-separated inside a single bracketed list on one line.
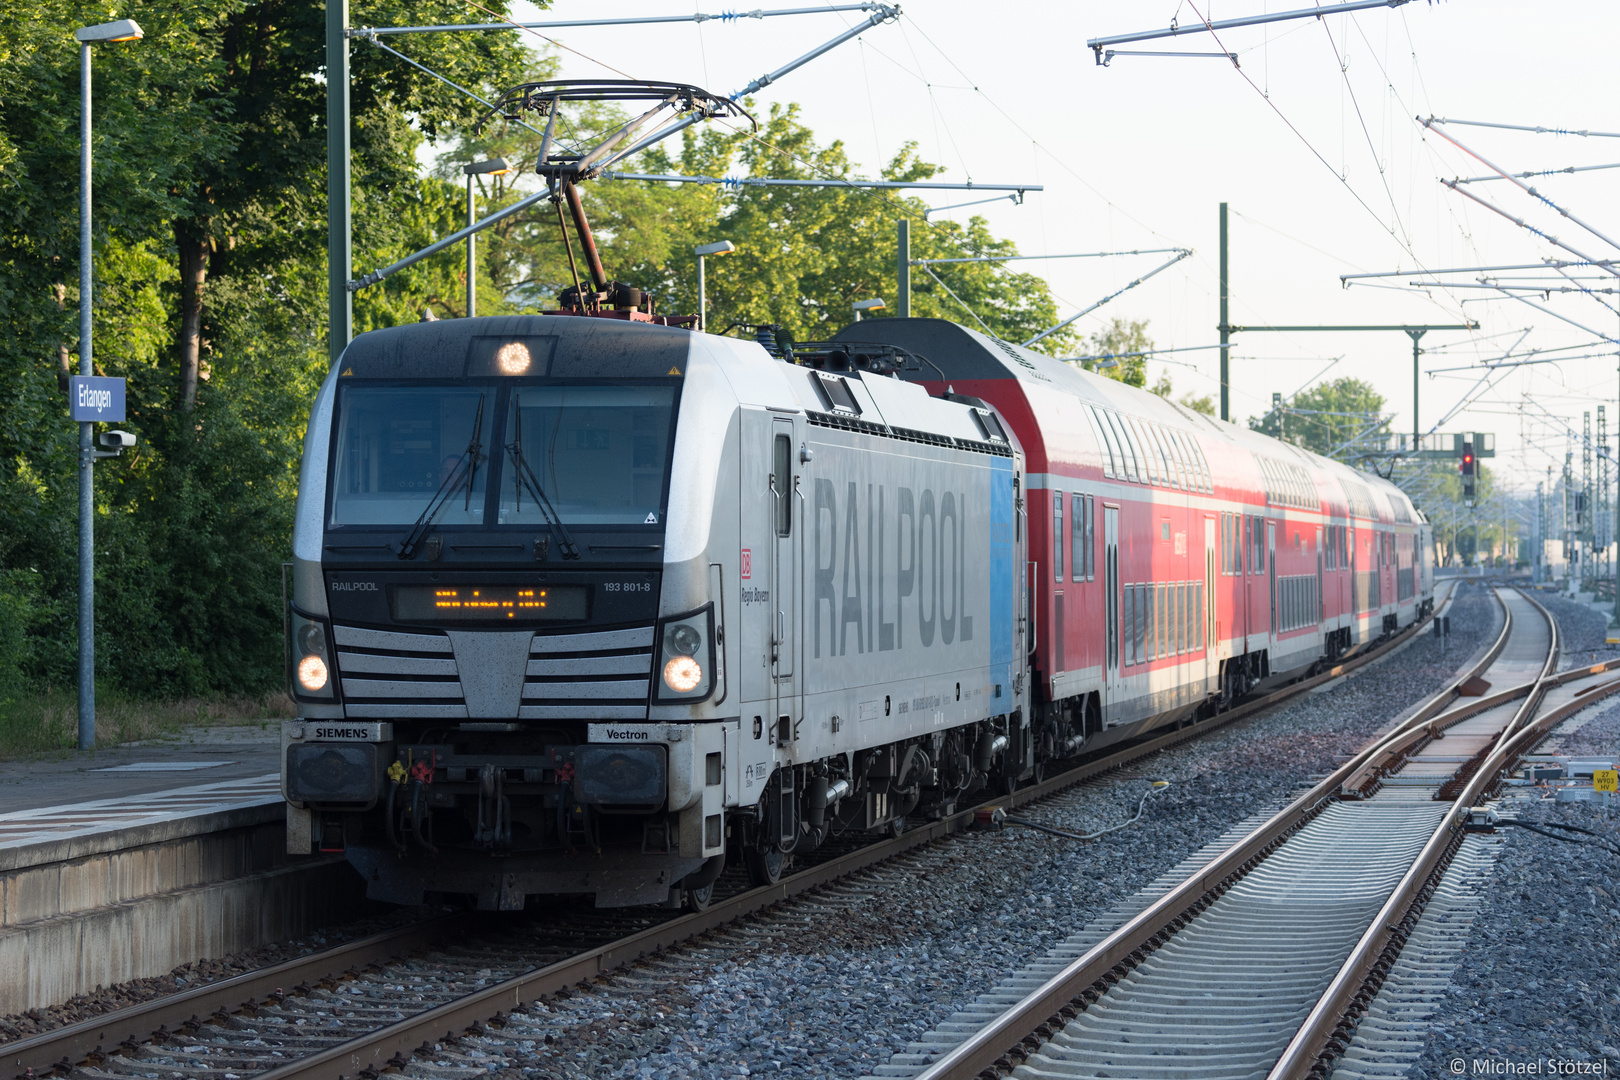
[(583, 604)]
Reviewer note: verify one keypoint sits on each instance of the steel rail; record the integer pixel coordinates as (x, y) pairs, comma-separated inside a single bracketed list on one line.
[(85, 1041), (1312, 1040), (1131, 941), (89, 1040)]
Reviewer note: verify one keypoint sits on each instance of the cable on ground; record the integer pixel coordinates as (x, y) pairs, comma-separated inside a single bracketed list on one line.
[(1141, 807)]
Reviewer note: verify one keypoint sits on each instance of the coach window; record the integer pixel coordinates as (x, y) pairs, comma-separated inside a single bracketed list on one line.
[(1184, 441), (1141, 621), (1139, 428), (1125, 468), (1057, 536), (1134, 467), (1155, 454), (1110, 441), (781, 479), (1077, 537), (1102, 441), (1178, 443), (1146, 469), (1091, 538), (1198, 629), (1161, 440)]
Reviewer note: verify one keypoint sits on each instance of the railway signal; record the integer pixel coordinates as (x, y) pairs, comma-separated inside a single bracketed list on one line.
[(1468, 470)]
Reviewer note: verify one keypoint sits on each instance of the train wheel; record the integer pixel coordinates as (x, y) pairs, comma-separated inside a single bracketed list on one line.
[(698, 899), (897, 826), (764, 867)]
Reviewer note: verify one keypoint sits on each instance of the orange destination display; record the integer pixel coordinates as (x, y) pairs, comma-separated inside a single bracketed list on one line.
[(515, 604)]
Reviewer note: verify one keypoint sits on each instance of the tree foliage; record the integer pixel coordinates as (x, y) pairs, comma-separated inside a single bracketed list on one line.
[(210, 230), (804, 254), (209, 247), (1331, 419)]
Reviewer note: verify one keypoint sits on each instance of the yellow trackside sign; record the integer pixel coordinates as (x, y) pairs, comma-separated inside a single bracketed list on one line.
[(1606, 780)]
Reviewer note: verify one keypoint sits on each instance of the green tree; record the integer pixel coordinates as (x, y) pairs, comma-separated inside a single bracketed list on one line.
[(1203, 403), (210, 300), (1121, 347), (804, 255), (1331, 419)]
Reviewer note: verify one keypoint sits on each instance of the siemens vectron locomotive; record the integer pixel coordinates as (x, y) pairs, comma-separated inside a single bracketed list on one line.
[(596, 605)]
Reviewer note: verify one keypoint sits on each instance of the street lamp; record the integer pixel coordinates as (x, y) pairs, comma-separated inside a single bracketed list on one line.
[(859, 306), (105, 33), (719, 247), (493, 167)]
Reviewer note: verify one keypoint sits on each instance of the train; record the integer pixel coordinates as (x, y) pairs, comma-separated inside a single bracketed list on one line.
[(597, 604)]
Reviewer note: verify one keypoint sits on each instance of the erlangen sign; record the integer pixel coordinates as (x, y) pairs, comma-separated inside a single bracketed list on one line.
[(96, 398)]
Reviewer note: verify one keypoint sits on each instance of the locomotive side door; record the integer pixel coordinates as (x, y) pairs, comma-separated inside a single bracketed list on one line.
[(786, 512)]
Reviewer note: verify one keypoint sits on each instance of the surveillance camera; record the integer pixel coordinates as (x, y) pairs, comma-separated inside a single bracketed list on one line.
[(117, 440)]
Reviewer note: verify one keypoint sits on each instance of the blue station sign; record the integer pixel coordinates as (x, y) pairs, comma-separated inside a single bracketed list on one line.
[(96, 398)]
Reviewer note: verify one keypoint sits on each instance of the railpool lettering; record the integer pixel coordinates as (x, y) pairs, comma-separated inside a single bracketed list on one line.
[(920, 541)]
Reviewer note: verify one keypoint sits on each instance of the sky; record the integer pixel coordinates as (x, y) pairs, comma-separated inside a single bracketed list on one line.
[(1312, 140)]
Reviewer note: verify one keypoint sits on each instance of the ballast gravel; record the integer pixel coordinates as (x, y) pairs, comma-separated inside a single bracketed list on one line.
[(1536, 990), (1584, 629), (190, 976), (834, 983)]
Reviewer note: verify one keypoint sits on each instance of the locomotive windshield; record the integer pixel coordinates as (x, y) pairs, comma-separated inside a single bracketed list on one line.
[(396, 445), (599, 453)]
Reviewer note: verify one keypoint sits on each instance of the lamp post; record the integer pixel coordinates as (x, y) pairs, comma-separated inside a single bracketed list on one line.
[(104, 33), (859, 306), (719, 247), (493, 167)]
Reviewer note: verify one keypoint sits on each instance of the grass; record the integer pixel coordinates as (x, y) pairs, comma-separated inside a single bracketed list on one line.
[(33, 723)]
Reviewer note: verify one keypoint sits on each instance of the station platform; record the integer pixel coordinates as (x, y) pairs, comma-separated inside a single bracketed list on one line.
[(200, 756), (130, 861)]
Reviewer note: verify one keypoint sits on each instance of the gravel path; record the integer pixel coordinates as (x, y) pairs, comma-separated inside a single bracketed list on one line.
[(833, 984)]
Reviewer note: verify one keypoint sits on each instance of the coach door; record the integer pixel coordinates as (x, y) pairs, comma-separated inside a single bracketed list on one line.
[(1206, 610), (1321, 596), (1112, 604), (1271, 572)]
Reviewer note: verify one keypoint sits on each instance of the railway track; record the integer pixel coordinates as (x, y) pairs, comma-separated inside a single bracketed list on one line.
[(372, 1004), (1262, 959)]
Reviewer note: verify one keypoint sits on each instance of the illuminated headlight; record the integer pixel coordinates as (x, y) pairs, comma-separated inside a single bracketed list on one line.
[(311, 659), (312, 673), (686, 662), (682, 674)]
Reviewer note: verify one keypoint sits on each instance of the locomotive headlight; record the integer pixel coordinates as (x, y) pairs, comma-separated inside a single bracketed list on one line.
[(686, 660), (312, 673), (310, 662), (683, 638), (683, 674)]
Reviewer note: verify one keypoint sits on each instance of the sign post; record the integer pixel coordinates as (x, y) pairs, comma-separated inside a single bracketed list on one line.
[(91, 399)]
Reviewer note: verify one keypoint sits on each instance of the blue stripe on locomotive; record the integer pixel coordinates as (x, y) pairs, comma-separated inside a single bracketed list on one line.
[(1004, 570)]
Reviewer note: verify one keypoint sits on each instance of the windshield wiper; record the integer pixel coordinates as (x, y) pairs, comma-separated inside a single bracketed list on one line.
[(521, 474), (460, 473)]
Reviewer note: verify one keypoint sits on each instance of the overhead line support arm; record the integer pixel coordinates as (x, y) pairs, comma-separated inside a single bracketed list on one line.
[(1097, 45)]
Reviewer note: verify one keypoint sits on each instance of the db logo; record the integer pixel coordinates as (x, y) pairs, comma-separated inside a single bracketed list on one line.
[(747, 563)]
